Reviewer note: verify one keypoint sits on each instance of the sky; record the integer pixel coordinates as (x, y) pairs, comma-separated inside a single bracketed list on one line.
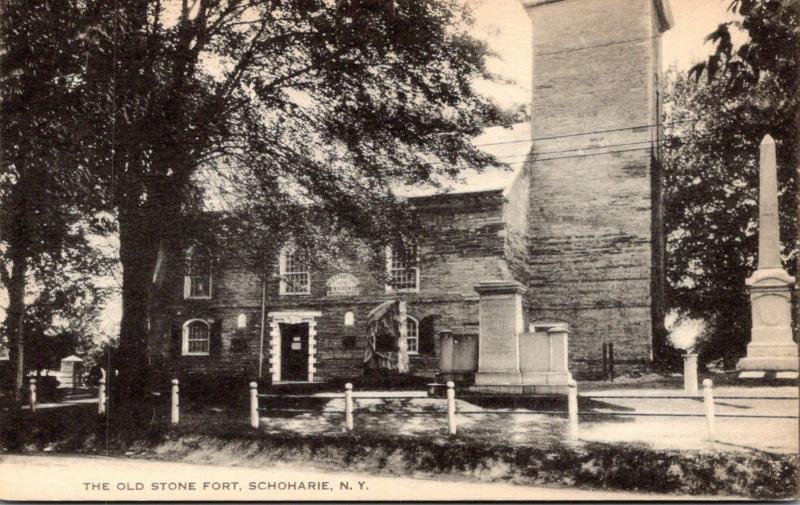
[(505, 26)]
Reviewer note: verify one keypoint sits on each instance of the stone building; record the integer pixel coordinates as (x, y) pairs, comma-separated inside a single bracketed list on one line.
[(577, 219), (596, 212), (209, 310)]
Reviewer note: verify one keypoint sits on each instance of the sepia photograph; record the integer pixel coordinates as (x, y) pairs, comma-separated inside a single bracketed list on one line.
[(399, 250)]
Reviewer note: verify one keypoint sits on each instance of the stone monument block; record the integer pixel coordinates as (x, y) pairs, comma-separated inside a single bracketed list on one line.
[(543, 360), (458, 357), (501, 322)]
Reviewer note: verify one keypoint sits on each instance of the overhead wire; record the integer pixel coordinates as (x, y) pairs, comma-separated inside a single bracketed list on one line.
[(592, 132), (605, 44)]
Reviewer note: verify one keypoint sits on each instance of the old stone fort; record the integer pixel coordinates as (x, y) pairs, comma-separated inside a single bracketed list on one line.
[(578, 222)]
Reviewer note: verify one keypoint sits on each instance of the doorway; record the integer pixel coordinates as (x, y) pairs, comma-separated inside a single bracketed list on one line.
[(294, 351)]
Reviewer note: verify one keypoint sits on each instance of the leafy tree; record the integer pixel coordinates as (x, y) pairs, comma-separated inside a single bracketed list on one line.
[(719, 114), (46, 205), (316, 106), (62, 320)]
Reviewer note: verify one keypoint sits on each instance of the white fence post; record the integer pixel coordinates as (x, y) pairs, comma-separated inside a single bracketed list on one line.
[(708, 401), (451, 407), (32, 397), (348, 406), (174, 410), (101, 397), (572, 410), (254, 405), (690, 374)]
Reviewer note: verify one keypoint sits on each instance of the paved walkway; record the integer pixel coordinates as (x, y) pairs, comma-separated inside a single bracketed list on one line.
[(99, 478)]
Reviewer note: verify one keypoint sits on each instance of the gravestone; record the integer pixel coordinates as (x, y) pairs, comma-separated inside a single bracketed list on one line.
[(458, 357), (771, 346), (501, 322)]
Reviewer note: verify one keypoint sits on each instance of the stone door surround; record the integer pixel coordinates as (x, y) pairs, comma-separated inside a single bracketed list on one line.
[(292, 317)]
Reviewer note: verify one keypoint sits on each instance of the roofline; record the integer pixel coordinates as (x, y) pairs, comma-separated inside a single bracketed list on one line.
[(665, 19), (498, 189)]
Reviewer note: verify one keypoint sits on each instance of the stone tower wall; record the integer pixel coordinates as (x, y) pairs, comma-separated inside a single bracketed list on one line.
[(594, 201)]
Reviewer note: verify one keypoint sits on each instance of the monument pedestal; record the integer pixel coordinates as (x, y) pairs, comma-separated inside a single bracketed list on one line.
[(771, 346), (501, 322)]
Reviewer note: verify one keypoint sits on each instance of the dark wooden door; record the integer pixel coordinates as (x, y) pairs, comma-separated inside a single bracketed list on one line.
[(294, 352)]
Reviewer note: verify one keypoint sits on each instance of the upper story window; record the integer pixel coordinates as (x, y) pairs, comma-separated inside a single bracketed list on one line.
[(412, 335), (403, 270), (295, 279), (196, 338), (197, 278)]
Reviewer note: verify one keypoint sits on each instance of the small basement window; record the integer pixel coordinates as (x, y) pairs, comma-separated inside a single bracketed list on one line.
[(239, 344)]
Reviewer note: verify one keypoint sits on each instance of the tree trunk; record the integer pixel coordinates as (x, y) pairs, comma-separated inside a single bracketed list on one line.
[(796, 164), (138, 250), (16, 317), (19, 241)]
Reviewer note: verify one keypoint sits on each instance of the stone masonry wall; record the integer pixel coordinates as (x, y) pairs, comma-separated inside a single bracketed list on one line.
[(467, 243), (590, 211)]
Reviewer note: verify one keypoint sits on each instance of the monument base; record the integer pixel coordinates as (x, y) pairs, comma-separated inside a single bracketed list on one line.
[(770, 356), (520, 389), (782, 363), (546, 378), (498, 379)]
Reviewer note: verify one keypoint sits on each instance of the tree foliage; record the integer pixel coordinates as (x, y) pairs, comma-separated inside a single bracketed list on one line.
[(719, 114), (48, 207)]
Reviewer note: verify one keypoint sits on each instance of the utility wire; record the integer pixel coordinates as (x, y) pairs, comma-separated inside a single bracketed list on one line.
[(533, 156), (594, 148), (607, 44), (566, 135), (595, 154)]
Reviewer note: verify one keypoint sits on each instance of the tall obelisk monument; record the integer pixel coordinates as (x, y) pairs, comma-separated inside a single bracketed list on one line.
[(771, 346)]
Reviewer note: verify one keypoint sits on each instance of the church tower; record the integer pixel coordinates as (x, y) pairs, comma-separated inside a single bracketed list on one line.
[(596, 214)]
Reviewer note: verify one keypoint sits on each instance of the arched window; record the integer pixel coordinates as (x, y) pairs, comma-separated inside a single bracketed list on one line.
[(196, 338), (197, 279), (241, 321), (412, 335)]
